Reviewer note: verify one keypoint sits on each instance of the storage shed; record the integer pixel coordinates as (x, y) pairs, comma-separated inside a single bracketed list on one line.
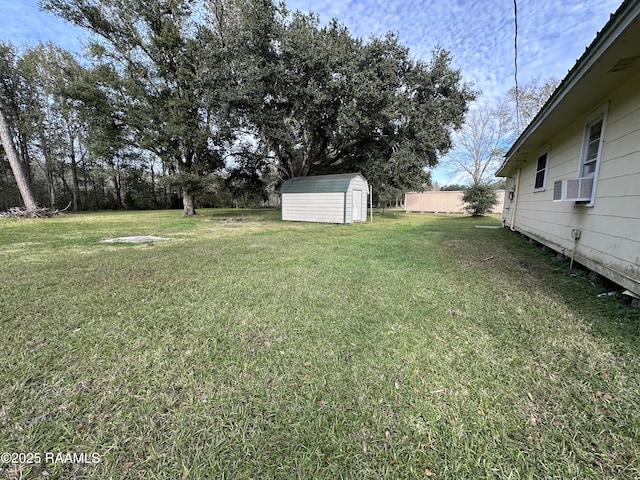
[(340, 198)]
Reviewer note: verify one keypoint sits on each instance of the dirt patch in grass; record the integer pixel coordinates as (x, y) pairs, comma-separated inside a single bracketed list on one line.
[(453, 243)]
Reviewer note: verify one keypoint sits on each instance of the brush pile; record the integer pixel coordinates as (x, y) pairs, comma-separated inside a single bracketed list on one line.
[(44, 212)]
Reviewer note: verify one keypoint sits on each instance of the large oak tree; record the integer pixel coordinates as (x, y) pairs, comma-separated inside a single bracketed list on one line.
[(323, 101), (194, 81)]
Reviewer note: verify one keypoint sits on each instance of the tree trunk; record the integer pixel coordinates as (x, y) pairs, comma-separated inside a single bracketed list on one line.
[(153, 187), (16, 165), (118, 186), (75, 191), (48, 168), (23, 149), (189, 202)]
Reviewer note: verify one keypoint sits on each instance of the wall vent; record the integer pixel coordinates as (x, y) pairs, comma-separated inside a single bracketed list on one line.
[(623, 64)]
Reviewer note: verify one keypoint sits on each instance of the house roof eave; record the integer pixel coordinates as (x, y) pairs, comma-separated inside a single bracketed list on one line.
[(586, 75)]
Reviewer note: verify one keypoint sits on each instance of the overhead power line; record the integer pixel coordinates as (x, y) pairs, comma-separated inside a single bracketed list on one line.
[(515, 61)]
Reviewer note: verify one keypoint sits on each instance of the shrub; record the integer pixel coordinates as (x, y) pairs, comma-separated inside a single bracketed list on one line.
[(479, 199)]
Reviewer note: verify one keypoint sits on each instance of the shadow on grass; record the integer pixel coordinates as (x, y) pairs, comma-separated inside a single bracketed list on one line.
[(508, 259), (266, 215), (609, 312), (599, 302)]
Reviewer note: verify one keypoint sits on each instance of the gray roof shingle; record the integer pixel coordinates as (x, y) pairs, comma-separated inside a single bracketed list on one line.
[(319, 183)]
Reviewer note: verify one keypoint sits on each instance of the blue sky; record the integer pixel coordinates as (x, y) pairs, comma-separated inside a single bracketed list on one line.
[(552, 34)]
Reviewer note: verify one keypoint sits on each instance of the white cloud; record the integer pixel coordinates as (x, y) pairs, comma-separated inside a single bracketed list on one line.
[(552, 34)]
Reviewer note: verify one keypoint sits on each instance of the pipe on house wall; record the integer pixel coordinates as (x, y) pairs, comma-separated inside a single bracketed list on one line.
[(514, 205)]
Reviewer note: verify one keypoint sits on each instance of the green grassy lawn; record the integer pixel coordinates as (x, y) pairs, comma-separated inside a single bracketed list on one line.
[(245, 347)]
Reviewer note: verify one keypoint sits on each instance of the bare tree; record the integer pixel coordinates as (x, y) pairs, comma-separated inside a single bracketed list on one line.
[(489, 130), (480, 145), (527, 101)]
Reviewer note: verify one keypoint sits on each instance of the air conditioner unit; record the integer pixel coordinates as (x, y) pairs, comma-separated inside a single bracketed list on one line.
[(573, 189)]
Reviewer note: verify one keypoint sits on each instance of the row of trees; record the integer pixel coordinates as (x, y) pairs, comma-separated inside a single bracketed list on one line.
[(64, 131), (218, 99)]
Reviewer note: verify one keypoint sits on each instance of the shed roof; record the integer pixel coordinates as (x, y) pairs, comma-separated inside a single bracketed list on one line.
[(319, 183)]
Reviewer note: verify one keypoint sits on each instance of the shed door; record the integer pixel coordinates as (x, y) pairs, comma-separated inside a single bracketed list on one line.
[(357, 205)]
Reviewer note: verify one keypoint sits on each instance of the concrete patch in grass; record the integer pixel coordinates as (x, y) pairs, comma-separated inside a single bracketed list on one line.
[(134, 239)]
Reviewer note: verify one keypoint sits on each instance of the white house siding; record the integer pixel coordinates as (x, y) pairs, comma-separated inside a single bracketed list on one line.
[(610, 229), (314, 207)]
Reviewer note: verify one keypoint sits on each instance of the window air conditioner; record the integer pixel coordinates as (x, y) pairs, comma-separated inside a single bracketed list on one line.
[(573, 189)]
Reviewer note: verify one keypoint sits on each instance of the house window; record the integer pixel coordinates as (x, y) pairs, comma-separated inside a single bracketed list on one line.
[(593, 136), (541, 172), (592, 149)]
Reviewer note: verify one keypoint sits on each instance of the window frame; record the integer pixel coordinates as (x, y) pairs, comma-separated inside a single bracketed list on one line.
[(542, 153), (599, 116)]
